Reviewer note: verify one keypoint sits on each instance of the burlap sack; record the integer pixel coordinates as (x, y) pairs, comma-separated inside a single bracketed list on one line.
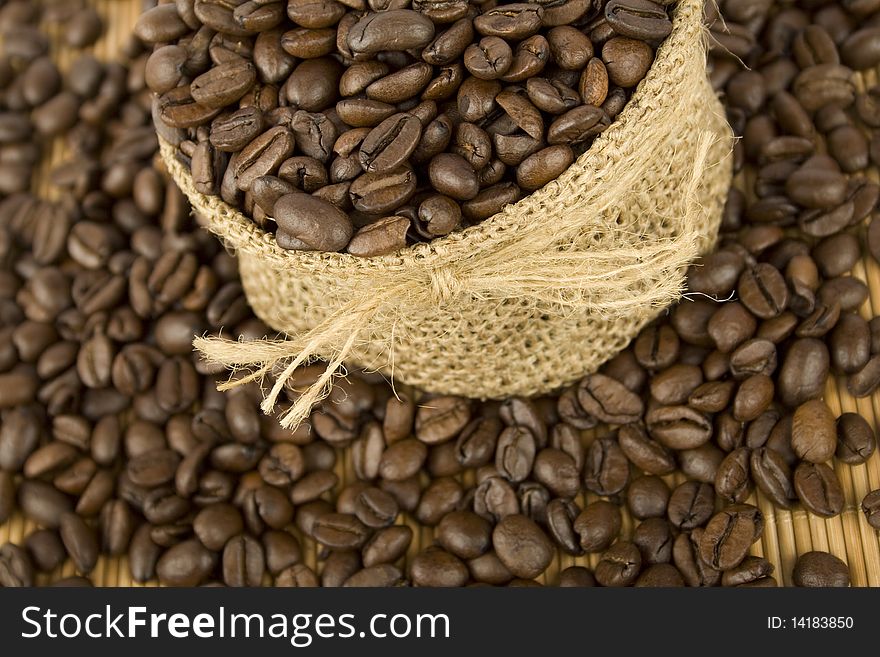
[(531, 299)]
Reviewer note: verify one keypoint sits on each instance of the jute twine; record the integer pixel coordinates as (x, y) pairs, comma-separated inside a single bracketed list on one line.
[(527, 301)]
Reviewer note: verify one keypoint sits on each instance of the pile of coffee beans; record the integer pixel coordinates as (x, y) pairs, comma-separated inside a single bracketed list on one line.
[(114, 440), (367, 125)]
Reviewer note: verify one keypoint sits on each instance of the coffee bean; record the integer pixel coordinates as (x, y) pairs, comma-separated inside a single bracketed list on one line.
[(620, 565), (340, 531), (608, 400), (513, 21), (390, 143), (186, 564), (732, 481), (751, 571), (819, 489), (850, 344), (541, 167), (678, 427), (243, 561), (856, 440), (729, 535), (820, 569), (861, 49), (441, 419), (515, 453), (521, 546), (233, 132), (489, 59), (686, 556), (626, 60), (647, 497), (813, 435), (576, 125), (640, 19), (80, 542), (691, 504), (871, 508), (437, 568), (763, 291), (314, 223), (803, 373), (16, 569), (606, 469), (772, 476)]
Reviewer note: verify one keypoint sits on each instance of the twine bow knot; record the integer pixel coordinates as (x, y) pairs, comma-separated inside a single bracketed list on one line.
[(445, 285)]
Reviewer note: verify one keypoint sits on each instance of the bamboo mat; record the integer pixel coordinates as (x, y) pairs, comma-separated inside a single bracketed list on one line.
[(787, 533)]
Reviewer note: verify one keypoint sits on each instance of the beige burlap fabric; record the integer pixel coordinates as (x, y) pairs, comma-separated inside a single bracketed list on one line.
[(525, 302)]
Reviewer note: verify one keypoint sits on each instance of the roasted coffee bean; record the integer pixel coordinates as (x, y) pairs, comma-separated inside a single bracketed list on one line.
[(515, 453), (803, 372), (675, 384), (608, 400), (390, 143), (763, 291), (441, 419), (382, 193), (42, 503), (224, 84), (871, 508), (45, 549), (686, 556), (813, 435), (732, 481), (243, 561), (654, 540), (729, 535), (449, 44), (234, 132), (522, 546), (381, 237), (606, 470), (856, 440), (643, 452), (819, 489), (861, 49), (691, 504), (772, 476), (513, 21), (751, 572), (551, 96), (541, 167), (820, 569), (678, 427), (597, 526), (576, 576), (576, 125), (80, 541), (850, 343), (489, 59), (340, 531), (640, 19), (620, 565), (393, 30), (626, 60), (185, 564), (647, 497), (313, 223), (16, 569), (453, 176)]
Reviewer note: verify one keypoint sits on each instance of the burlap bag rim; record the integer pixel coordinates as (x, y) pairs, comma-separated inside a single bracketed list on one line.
[(240, 232)]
